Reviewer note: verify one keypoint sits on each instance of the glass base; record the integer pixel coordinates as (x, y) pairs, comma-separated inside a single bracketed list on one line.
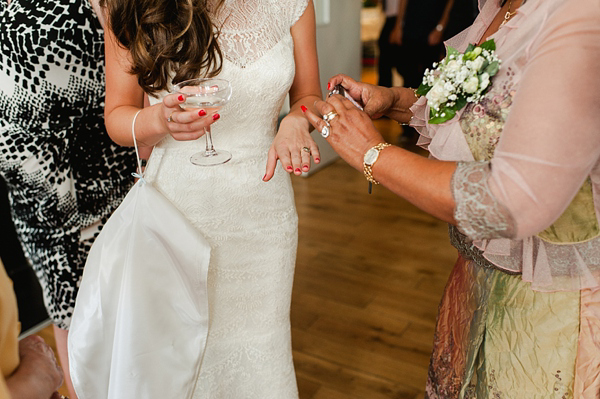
[(217, 157)]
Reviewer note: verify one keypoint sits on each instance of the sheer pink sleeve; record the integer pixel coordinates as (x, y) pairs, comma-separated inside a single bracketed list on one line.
[(551, 139)]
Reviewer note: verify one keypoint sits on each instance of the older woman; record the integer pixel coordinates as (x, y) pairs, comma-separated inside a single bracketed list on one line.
[(515, 173)]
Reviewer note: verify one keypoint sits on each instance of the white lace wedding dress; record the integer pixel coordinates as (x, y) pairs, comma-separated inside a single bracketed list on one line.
[(251, 225)]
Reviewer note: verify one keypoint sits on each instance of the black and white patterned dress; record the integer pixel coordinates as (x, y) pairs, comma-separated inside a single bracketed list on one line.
[(64, 174)]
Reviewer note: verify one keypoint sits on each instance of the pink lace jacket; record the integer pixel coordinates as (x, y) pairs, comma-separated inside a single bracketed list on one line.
[(527, 186)]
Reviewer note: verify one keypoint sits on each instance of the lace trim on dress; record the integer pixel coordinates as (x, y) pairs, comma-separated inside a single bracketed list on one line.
[(478, 213), (246, 35)]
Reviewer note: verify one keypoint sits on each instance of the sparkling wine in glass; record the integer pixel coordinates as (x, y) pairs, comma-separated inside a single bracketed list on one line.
[(209, 94)]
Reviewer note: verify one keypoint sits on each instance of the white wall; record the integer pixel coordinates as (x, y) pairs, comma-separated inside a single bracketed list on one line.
[(339, 49)]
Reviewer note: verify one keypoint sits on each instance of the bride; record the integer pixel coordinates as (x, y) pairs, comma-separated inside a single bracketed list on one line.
[(266, 49)]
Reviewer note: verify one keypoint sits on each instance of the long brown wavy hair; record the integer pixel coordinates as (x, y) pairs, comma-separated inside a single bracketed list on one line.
[(166, 37)]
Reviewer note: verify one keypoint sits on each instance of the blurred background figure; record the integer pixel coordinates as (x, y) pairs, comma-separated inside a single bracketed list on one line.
[(388, 51), (411, 39), (462, 15)]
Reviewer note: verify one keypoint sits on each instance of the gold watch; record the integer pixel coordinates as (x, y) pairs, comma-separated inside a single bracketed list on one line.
[(369, 160)]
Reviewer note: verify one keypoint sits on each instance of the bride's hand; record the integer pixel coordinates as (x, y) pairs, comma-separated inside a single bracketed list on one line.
[(184, 124), (293, 146)]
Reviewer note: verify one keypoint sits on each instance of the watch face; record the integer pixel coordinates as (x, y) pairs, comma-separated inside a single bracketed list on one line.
[(371, 156)]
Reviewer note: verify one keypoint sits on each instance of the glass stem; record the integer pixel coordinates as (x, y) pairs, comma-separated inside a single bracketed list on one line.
[(210, 150)]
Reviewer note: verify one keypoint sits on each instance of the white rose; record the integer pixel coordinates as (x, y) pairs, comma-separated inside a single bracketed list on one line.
[(478, 63), (470, 86), (453, 66), (436, 95), (485, 80)]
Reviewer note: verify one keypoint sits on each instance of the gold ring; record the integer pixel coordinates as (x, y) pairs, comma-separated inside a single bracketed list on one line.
[(328, 117), (170, 119), (306, 149)]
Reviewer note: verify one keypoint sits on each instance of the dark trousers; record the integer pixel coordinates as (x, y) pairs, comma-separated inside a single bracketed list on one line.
[(410, 59), (414, 58), (388, 54)]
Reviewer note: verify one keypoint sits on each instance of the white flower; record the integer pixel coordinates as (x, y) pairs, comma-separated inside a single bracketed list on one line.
[(453, 67), (470, 86), (485, 81), (478, 63), (448, 88), (437, 94)]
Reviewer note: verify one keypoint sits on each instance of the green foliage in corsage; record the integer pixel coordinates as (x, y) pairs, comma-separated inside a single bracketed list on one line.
[(459, 79)]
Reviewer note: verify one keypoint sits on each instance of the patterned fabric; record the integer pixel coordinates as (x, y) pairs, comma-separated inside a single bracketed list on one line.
[(251, 225), (478, 213), (64, 174), (498, 339)]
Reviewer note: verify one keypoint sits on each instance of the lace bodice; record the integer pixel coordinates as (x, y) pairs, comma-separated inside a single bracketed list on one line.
[(246, 35)]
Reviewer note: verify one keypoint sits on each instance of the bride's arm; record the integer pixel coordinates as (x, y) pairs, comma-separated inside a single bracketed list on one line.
[(294, 131), (124, 97)]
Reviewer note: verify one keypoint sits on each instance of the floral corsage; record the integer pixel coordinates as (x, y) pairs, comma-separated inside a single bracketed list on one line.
[(458, 79)]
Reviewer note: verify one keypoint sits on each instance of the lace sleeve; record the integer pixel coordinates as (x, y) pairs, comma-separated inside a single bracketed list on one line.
[(297, 8), (478, 213)]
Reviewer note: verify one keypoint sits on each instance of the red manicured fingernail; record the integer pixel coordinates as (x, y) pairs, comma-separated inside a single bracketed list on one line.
[(305, 167), (264, 177), (216, 116), (303, 108), (298, 170), (328, 86), (317, 159), (180, 98), (202, 112), (290, 168)]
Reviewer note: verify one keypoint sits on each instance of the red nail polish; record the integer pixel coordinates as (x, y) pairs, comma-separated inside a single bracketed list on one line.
[(202, 112), (216, 116), (290, 168), (317, 159), (298, 170), (328, 86), (303, 108), (180, 98), (264, 177)]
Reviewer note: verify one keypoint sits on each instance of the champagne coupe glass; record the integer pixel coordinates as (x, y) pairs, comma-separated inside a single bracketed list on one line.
[(209, 94)]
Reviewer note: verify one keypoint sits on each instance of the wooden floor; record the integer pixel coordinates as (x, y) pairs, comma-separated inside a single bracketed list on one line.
[(369, 276)]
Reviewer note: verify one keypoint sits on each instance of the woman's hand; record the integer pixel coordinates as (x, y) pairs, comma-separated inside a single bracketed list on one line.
[(184, 124), (38, 374), (376, 100), (293, 146), (351, 132)]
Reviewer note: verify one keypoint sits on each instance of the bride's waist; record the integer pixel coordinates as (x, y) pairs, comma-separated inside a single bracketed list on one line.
[(254, 145)]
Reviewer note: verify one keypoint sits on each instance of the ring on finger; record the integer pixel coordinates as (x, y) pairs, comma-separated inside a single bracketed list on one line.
[(306, 149), (170, 118), (326, 130), (328, 117)]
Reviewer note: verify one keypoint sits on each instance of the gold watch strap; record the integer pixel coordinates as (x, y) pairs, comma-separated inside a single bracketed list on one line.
[(368, 169)]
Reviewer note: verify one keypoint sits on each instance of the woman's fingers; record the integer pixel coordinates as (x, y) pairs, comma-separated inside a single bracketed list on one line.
[(271, 164), (294, 158), (173, 100), (315, 120)]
